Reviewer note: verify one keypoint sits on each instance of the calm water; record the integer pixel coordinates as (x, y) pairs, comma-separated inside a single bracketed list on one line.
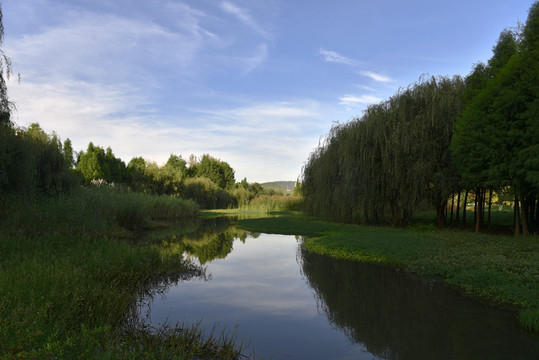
[(291, 304)]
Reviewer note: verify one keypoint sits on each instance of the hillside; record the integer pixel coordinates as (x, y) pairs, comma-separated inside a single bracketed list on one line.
[(284, 186)]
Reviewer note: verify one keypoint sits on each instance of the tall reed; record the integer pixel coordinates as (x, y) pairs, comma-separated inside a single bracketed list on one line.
[(69, 287), (268, 203)]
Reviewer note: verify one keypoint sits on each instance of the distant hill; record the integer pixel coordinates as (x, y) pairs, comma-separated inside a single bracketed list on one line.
[(284, 186)]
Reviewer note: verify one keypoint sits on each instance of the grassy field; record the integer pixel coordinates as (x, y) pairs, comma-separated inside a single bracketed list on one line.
[(70, 277), (497, 268)]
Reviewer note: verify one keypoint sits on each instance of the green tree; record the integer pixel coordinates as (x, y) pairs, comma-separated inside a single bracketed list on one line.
[(135, 174), (219, 172), (90, 163), (178, 163), (114, 168), (98, 163), (68, 154), (496, 142)]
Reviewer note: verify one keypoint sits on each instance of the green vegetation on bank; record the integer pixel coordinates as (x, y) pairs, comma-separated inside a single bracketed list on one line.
[(71, 275), (497, 268)]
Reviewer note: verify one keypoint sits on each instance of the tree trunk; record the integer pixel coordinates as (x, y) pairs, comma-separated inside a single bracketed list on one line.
[(406, 216), (457, 218), (465, 203), (524, 216), (517, 216), (394, 215), (483, 197), (531, 214), (475, 210), (452, 207), (479, 207), (537, 215), (440, 214), (489, 205)]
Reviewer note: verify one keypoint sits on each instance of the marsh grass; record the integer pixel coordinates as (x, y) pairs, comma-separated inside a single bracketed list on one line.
[(498, 268), (69, 283), (268, 203), (93, 211)]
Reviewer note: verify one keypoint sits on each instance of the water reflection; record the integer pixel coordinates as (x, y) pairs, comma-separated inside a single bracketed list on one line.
[(203, 239), (294, 304), (400, 316)]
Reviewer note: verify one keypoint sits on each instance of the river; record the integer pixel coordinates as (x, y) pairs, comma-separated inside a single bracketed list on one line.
[(287, 303)]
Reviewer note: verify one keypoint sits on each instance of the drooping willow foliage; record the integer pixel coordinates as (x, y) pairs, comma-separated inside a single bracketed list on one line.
[(5, 72), (393, 160)]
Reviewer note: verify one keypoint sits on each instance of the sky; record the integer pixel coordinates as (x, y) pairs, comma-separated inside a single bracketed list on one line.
[(255, 83)]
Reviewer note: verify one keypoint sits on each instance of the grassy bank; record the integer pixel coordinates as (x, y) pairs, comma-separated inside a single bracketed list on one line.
[(500, 269), (69, 280)]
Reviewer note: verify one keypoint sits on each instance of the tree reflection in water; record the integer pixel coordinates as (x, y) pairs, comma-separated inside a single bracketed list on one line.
[(396, 315), (205, 240)]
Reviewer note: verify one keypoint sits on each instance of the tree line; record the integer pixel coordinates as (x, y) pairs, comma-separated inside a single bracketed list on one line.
[(34, 163), (437, 138)]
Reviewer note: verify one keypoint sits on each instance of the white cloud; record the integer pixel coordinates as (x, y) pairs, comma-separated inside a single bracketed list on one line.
[(351, 100), (263, 141), (334, 57), (244, 16), (376, 77), (367, 88)]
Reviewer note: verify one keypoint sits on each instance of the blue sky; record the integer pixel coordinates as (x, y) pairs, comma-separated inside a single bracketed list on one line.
[(255, 83)]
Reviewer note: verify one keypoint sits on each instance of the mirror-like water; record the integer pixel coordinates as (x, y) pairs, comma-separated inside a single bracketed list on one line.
[(292, 304)]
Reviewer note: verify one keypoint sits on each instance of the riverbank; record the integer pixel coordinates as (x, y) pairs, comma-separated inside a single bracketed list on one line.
[(71, 274), (498, 269)]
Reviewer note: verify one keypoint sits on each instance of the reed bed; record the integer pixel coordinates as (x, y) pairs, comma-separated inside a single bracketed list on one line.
[(268, 203), (69, 284)]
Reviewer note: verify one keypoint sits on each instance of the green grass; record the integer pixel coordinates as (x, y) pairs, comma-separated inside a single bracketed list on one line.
[(69, 280), (501, 269), (268, 203)]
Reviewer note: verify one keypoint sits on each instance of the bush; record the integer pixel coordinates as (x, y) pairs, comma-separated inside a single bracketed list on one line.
[(207, 194)]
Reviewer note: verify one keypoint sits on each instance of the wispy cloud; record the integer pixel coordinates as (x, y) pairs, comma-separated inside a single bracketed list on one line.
[(352, 100), (244, 16), (334, 57), (376, 77), (110, 47), (256, 59)]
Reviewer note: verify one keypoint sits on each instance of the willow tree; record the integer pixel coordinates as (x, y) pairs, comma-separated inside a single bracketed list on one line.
[(384, 165), (31, 161), (6, 132), (321, 177), (439, 103), (5, 73)]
